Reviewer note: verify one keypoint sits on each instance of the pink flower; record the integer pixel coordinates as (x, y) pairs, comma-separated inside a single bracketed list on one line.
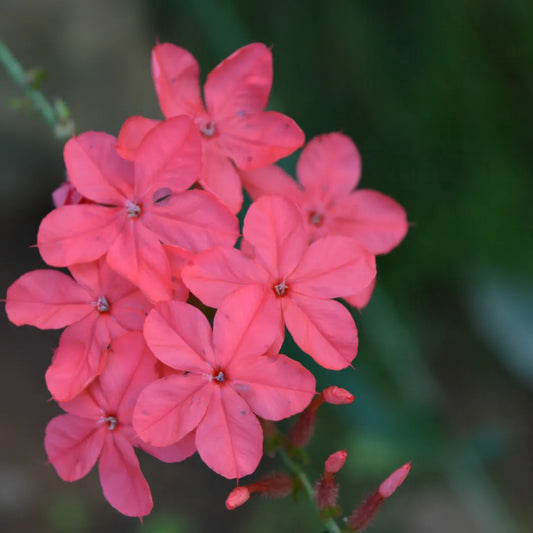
[(97, 306), (328, 170), (236, 132), (296, 279), (227, 379), (98, 428), (138, 206)]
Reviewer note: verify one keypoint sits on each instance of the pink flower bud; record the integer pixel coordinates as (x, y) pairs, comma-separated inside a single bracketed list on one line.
[(335, 462), (387, 488), (337, 396), (237, 497)]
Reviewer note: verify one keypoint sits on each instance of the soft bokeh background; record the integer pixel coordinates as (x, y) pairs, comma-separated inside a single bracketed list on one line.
[(438, 97)]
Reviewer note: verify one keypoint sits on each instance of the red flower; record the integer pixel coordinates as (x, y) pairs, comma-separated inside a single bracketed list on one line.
[(227, 379), (97, 306), (138, 206), (98, 428), (297, 280), (236, 132)]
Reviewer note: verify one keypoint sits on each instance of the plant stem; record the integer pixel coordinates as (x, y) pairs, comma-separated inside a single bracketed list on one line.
[(62, 128), (331, 525)]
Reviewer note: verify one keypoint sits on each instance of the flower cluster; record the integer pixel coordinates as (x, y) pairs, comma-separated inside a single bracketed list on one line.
[(151, 215)]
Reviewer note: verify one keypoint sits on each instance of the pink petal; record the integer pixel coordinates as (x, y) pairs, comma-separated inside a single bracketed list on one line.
[(254, 141), (137, 254), (247, 323), (73, 445), (79, 358), (130, 311), (96, 170), (123, 483), (47, 299), (83, 405), (178, 257), (240, 83), (176, 79), (333, 267), (229, 438), (175, 452), (373, 219), (329, 166), (214, 274), (220, 177), (170, 408), (78, 233), (271, 180), (180, 336), (322, 328), (169, 156), (361, 298), (194, 220), (129, 368), (132, 133), (274, 227), (275, 387)]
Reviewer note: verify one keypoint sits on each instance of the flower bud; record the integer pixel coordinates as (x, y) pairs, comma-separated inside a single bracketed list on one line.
[(337, 395), (335, 462), (237, 497)]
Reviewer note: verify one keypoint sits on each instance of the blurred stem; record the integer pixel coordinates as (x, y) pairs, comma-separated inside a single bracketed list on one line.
[(55, 116), (330, 525)]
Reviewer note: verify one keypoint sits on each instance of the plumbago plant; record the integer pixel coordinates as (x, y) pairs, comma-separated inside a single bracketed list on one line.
[(147, 220)]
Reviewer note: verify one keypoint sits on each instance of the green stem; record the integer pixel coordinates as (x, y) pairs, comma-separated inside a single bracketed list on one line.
[(62, 128), (331, 525)]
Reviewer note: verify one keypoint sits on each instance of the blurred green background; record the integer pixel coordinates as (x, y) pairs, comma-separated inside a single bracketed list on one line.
[(438, 97)]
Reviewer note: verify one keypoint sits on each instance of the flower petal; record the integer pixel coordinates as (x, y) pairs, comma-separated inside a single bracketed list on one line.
[(373, 219), (322, 328), (170, 408), (361, 298), (96, 170), (131, 135), (176, 78), (73, 445), (333, 267), (329, 166), (169, 156), (123, 483), (274, 386), (194, 220), (240, 83), (78, 233), (229, 438), (254, 141), (180, 336), (247, 323), (275, 228), (213, 274), (47, 299), (272, 180), (175, 452), (138, 255), (220, 177)]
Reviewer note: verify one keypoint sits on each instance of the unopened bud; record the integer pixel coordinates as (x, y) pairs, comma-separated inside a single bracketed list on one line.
[(337, 396), (335, 462), (237, 497), (387, 488), (362, 515)]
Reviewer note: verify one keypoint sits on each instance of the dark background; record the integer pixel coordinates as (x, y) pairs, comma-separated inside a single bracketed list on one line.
[(438, 98)]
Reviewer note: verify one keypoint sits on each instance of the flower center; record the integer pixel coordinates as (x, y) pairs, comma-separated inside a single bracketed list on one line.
[(208, 128), (111, 421), (316, 218), (133, 209), (219, 377), (281, 288), (102, 305)]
